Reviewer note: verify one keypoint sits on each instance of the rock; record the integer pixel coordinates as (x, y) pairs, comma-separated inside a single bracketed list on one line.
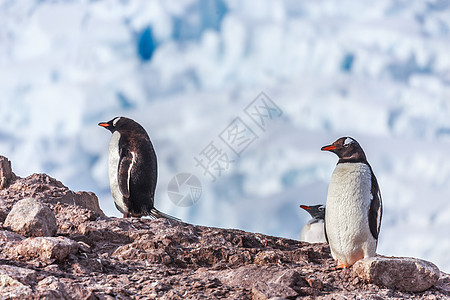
[(15, 281), (6, 173), (11, 288), (400, 273), (53, 288), (265, 291), (8, 236), (49, 190), (47, 248), (26, 276), (29, 217), (97, 257)]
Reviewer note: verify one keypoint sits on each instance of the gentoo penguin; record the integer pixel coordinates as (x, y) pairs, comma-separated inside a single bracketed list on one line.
[(313, 231), (353, 214), (132, 169)]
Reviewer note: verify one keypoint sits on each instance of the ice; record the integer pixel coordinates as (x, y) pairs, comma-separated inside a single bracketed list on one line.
[(186, 69)]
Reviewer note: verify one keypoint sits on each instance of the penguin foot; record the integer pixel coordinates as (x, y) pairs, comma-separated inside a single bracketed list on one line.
[(341, 265)]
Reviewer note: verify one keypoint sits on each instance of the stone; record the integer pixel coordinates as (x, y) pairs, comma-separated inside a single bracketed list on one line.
[(53, 288), (29, 217), (6, 173), (47, 248), (9, 236), (139, 258), (11, 288), (15, 281), (265, 291), (400, 273), (23, 275)]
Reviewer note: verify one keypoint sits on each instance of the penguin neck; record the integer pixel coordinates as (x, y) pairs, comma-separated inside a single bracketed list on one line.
[(314, 220), (353, 160)]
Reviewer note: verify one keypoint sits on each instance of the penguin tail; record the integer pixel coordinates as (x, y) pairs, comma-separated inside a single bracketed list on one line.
[(154, 213)]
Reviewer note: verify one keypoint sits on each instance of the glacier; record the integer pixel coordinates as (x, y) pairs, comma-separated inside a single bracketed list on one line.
[(379, 72)]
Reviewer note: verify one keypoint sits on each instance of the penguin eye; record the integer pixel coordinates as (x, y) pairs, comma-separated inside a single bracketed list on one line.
[(321, 208)]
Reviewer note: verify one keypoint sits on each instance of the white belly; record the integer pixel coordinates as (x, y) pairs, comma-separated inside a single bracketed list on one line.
[(346, 216), (313, 233), (113, 165)]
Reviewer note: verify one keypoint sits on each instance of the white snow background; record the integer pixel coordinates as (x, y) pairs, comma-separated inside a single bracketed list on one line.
[(376, 71)]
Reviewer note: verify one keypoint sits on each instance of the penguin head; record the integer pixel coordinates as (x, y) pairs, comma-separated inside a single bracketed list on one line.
[(118, 123), (347, 149), (316, 211)]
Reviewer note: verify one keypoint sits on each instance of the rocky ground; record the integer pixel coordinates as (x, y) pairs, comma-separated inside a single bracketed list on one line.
[(58, 244)]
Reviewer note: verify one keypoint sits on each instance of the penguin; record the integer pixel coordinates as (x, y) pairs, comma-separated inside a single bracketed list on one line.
[(313, 231), (132, 169), (354, 207)]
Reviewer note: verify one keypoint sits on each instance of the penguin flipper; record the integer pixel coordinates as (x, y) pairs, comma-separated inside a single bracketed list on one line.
[(375, 209), (325, 231), (124, 173), (154, 213)]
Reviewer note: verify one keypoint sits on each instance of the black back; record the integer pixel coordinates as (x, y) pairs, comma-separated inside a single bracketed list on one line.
[(138, 170)]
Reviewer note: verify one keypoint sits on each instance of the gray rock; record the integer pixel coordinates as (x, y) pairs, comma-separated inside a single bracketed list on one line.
[(6, 173), (400, 273), (29, 217), (47, 248)]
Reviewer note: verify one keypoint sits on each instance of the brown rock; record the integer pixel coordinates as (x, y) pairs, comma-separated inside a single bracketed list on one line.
[(6, 173), (29, 217), (49, 190), (11, 288), (26, 276), (8, 236), (265, 291), (401, 273), (53, 288), (155, 259), (47, 248), (15, 281)]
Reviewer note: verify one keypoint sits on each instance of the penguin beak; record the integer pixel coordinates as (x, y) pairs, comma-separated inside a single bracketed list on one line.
[(103, 124), (328, 148), (305, 207)]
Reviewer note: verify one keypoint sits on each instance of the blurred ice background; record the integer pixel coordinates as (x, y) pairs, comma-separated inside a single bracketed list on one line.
[(377, 71)]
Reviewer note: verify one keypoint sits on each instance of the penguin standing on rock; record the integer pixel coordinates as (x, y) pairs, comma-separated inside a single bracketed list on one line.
[(132, 169), (313, 231), (353, 214)]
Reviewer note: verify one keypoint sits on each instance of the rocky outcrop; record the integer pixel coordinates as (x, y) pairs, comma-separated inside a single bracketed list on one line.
[(6, 173), (400, 273), (29, 217), (96, 257)]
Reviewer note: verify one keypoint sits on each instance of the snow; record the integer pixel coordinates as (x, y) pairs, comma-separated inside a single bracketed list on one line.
[(379, 72)]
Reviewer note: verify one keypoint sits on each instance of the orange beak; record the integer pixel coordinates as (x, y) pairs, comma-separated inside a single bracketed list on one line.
[(106, 125), (328, 148), (305, 207)]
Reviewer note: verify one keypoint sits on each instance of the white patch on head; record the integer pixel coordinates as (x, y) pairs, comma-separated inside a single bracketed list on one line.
[(115, 121), (348, 141)]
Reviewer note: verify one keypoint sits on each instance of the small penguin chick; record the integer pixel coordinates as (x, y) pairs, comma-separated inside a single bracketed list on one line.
[(354, 206), (313, 231)]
